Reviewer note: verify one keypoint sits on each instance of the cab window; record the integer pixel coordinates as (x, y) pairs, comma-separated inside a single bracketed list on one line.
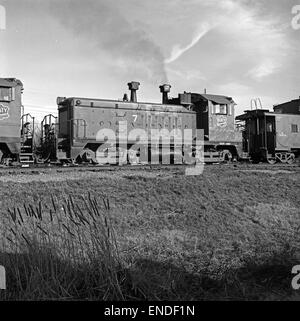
[(221, 109), (6, 94), (269, 127), (294, 128)]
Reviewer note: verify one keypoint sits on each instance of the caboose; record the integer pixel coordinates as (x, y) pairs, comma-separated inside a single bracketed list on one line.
[(271, 136)]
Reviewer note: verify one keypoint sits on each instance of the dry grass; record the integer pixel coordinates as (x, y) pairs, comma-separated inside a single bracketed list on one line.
[(64, 252), (228, 234)]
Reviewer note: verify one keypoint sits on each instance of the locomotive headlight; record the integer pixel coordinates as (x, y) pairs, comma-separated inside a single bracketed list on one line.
[(78, 102), (59, 100)]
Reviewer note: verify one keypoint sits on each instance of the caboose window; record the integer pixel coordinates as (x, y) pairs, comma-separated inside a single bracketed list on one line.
[(5, 94), (294, 128), (269, 127)]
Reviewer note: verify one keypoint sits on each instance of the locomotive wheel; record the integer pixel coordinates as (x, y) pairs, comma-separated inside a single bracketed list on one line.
[(87, 156), (227, 156), (290, 158), (42, 158), (5, 159)]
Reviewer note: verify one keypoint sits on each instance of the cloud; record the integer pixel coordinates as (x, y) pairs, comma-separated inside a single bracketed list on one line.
[(266, 68), (260, 37), (178, 50), (247, 41)]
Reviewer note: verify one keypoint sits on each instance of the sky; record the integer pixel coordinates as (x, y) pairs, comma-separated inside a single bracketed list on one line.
[(244, 49)]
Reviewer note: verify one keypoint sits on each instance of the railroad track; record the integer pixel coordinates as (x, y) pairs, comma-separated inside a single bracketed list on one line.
[(42, 168), (81, 168)]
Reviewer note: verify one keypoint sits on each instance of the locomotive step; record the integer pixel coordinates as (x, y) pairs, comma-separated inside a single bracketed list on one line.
[(26, 158)]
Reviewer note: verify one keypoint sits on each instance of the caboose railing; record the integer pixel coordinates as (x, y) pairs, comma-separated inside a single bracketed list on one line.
[(48, 126), (48, 139), (255, 103), (27, 131)]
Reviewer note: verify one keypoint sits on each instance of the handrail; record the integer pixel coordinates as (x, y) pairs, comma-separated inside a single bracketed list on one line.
[(255, 101), (47, 120)]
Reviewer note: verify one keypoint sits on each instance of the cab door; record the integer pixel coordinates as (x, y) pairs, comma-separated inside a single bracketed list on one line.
[(271, 134)]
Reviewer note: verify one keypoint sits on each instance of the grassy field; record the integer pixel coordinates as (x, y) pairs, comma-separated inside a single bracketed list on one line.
[(231, 233)]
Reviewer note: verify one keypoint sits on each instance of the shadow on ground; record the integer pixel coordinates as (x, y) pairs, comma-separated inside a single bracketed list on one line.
[(269, 280), (55, 279)]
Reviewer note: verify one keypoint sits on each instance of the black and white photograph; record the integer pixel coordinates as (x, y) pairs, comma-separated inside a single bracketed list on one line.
[(149, 153)]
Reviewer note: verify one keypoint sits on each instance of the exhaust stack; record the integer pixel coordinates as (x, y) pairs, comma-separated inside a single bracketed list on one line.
[(165, 89), (133, 87)]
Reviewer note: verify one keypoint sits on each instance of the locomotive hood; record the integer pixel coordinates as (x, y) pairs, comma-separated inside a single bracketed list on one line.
[(10, 82)]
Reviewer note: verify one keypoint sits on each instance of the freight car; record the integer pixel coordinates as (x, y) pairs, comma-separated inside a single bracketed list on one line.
[(74, 135), (271, 136)]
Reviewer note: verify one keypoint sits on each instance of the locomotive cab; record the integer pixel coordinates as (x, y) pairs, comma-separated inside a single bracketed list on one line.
[(215, 116), (10, 113)]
